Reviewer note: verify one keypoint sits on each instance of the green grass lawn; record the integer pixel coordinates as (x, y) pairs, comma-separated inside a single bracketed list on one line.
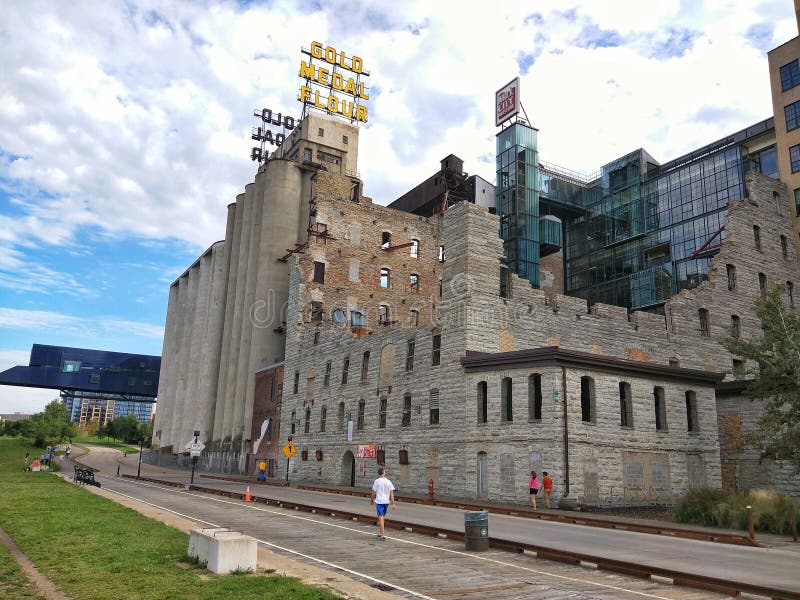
[(13, 581), (108, 443), (91, 547)]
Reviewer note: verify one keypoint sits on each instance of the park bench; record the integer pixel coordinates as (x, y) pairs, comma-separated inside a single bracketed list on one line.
[(85, 477)]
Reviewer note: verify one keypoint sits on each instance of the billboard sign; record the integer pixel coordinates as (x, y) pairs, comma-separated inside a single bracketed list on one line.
[(366, 451), (506, 102), (334, 83)]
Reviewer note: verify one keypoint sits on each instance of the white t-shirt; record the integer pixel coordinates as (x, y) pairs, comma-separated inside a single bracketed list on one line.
[(382, 488)]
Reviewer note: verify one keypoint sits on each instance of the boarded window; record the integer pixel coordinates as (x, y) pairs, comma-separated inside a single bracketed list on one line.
[(403, 457), (535, 397), (434, 407)]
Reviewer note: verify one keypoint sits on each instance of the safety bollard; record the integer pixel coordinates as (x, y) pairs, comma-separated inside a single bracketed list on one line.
[(751, 529)]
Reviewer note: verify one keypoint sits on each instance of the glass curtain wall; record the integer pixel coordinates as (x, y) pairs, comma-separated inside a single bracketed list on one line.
[(517, 199)]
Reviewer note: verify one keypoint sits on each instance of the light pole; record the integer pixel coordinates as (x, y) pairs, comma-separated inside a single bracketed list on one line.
[(141, 448)]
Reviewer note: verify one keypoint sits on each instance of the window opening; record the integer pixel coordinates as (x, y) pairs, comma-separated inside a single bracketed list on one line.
[(705, 328), (434, 407), (762, 282), (385, 274), (323, 415), (316, 311), (296, 381), (757, 236), (307, 424), (625, 405), (735, 326), (294, 419), (406, 410), (784, 247), (691, 411), (410, 355), (483, 402), (345, 369), (365, 366), (319, 272), (414, 249), (382, 414), (506, 400), (731, 270), (360, 422), (327, 379), (535, 397), (790, 293), (660, 408), (340, 416), (436, 349), (587, 400), (414, 283), (386, 240), (383, 316)]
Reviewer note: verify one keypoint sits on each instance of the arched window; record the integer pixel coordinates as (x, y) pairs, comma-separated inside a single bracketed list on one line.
[(587, 400), (691, 411), (625, 405), (506, 401), (483, 402), (535, 397)]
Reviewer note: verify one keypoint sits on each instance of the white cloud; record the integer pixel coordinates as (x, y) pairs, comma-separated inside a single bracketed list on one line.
[(43, 322)]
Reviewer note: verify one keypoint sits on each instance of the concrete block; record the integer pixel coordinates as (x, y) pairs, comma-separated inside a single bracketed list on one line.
[(223, 551)]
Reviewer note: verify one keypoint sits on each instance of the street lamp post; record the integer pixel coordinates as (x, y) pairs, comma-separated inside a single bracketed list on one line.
[(141, 448)]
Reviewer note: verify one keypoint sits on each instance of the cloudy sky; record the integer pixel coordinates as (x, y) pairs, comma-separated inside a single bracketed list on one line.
[(125, 126)]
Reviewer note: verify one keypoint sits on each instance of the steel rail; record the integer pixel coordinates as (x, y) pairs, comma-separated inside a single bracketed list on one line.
[(704, 582)]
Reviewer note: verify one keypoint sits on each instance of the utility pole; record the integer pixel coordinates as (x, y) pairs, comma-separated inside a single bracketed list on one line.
[(141, 448)]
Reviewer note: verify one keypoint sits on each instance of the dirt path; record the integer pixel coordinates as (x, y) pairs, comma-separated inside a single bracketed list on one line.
[(44, 586)]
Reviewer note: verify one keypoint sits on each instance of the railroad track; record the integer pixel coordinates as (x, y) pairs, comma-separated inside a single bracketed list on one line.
[(724, 586), (723, 537)]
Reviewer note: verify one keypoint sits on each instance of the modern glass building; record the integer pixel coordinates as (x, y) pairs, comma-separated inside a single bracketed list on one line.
[(638, 231), (92, 382)]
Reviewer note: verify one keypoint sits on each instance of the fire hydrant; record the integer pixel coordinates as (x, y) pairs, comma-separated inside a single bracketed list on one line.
[(430, 489)]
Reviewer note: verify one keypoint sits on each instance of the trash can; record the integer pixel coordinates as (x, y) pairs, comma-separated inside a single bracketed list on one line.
[(476, 530)]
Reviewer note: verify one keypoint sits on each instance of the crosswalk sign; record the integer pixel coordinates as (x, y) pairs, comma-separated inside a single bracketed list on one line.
[(289, 450)]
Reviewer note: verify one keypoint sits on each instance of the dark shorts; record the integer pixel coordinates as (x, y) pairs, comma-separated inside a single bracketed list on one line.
[(381, 509), (534, 491)]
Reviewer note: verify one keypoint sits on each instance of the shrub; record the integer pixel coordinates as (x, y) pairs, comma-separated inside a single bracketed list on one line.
[(718, 508)]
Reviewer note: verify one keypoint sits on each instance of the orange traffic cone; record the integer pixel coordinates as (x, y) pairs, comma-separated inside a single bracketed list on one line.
[(247, 495)]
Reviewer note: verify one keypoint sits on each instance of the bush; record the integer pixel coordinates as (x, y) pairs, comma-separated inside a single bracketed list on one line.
[(718, 508)]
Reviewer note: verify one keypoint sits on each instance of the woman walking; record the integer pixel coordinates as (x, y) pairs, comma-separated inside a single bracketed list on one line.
[(533, 484)]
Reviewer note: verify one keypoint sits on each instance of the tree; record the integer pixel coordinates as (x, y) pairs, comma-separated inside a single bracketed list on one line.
[(777, 382), (52, 425)]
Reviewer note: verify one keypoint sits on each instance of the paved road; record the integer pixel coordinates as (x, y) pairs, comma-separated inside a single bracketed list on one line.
[(760, 566)]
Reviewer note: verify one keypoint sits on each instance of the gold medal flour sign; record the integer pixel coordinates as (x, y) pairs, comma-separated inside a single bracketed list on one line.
[(334, 82)]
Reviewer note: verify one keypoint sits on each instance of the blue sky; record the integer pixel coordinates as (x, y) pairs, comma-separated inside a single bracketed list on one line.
[(125, 126)]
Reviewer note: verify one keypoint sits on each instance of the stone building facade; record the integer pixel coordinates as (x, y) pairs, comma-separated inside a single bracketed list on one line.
[(618, 407)]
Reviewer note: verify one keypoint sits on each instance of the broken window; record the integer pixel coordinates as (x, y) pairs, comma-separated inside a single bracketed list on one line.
[(316, 311), (414, 249), (382, 414), (434, 407), (386, 240), (383, 315), (705, 326), (357, 318), (535, 397), (365, 366), (360, 422), (406, 410), (319, 272), (385, 274), (731, 269), (410, 355), (735, 326), (414, 283), (338, 316), (436, 352), (625, 405)]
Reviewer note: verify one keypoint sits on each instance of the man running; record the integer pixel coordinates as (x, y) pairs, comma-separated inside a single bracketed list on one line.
[(382, 495)]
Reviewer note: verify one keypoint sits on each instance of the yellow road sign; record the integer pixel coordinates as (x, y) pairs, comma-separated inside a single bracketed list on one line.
[(289, 450)]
